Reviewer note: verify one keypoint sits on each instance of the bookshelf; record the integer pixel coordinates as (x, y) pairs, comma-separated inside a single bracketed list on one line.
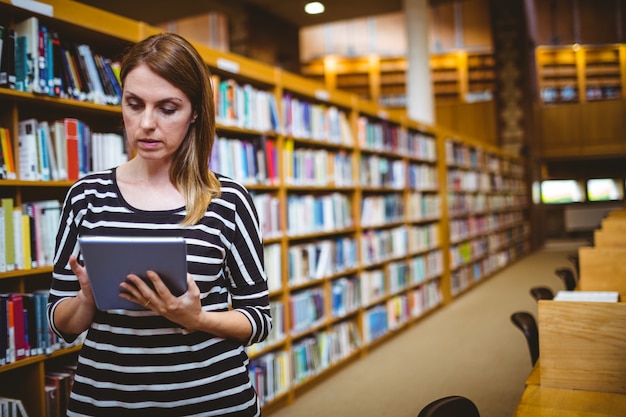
[(461, 76), (353, 202), (581, 73), (487, 211)]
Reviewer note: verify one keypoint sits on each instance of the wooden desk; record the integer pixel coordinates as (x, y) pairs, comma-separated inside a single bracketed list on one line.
[(538, 401), (535, 375)]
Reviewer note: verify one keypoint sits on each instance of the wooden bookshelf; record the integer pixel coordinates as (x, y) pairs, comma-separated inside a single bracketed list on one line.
[(382, 179), (581, 73), (456, 76)]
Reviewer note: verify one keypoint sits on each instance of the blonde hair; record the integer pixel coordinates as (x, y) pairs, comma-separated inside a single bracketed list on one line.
[(173, 58)]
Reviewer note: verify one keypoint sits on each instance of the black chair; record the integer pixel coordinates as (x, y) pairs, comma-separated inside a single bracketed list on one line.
[(541, 293), (575, 260), (568, 278), (452, 406), (526, 322)]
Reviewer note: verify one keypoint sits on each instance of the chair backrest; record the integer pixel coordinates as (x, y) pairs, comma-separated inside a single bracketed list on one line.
[(541, 293), (451, 406), (527, 323), (568, 278), (575, 260)]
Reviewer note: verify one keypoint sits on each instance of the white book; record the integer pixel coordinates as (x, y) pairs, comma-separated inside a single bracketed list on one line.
[(29, 29), (60, 152), (17, 238), (28, 150), (599, 296), (98, 93)]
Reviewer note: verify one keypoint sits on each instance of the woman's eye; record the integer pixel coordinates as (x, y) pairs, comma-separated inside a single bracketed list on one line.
[(168, 110), (133, 105)]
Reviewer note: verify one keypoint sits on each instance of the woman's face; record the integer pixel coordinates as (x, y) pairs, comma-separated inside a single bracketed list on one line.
[(156, 114)]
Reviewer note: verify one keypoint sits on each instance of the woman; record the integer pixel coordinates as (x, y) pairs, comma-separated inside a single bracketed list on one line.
[(182, 356)]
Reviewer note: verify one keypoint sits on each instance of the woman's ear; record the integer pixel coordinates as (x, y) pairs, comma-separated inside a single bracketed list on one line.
[(194, 117)]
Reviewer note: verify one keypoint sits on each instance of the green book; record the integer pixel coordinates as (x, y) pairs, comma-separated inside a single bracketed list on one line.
[(9, 242)]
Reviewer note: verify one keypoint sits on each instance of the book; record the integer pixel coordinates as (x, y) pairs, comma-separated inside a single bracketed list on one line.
[(9, 248), (3, 260), (58, 80), (57, 134), (7, 154), (91, 74), (4, 329), (28, 150), (27, 241), (16, 321), (71, 133), (43, 157), (17, 238), (27, 47), (7, 57), (14, 407), (43, 61), (50, 157)]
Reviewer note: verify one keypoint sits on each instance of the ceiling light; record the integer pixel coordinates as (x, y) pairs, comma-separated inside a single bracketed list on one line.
[(314, 7)]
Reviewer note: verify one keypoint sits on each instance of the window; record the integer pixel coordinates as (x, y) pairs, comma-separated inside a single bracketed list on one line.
[(561, 191), (604, 189)]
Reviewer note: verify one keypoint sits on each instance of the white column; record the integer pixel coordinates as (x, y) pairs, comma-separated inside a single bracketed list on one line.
[(420, 102)]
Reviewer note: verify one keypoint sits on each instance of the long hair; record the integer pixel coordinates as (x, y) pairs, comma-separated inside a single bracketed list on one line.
[(174, 59)]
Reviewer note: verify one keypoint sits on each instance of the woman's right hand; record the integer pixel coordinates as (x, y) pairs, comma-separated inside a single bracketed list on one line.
[(85, 295)]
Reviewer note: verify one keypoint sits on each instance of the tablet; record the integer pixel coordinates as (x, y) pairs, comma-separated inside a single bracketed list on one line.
[(109, 260)]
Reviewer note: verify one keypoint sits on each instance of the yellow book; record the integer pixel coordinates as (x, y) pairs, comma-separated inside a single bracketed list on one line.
[(26, 241), (288, 159), (7, 152)]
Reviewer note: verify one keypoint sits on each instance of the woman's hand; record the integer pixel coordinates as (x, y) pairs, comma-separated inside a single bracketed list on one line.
[(74, 315), (184, 310), (85, 295)]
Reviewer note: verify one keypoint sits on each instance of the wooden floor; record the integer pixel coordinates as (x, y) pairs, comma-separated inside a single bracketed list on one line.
[(469, 348)]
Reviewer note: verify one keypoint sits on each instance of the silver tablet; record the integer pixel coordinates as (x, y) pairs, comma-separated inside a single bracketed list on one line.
[(109, 260)]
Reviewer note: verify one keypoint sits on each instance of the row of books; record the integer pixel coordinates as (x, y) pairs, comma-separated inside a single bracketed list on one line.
[(35, 59), (28, 234), (250, 161), (306, 309), (12, 407), (317, 167), (316, 260), (421, 207), (382, 318), (65, 149), (377, 210), (380, 135), (345, 296), (318, 213), (270, 375), (270, 214), (378, 171), (244, 106), (312, 355), (315, 121), (378, 245), (58, 386), (24, 329)]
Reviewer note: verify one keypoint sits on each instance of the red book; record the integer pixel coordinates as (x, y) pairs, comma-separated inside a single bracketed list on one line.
[(17, 304), (270, 155), (71, 141)]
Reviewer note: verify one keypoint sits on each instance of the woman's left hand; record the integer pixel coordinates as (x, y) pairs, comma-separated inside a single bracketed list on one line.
[(184, 310)]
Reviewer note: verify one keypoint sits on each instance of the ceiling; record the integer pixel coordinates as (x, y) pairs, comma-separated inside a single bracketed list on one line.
[(159, 11)]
